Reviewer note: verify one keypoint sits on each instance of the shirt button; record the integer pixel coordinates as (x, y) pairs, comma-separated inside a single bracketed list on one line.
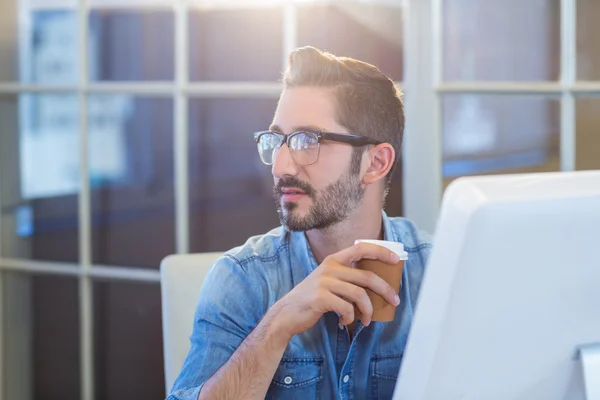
[(287, 380), (346, 378), (341, 327)]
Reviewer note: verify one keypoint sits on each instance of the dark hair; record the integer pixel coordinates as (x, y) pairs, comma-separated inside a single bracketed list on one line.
[(368, 103)]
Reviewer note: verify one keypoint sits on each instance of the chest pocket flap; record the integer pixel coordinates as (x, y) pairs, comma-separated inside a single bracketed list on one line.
[(298, 372)]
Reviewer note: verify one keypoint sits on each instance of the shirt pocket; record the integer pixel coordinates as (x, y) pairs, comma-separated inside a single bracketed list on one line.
[(384, 372), (297, 378)]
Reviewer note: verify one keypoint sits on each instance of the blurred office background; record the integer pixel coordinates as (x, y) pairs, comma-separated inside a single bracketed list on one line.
[(126, 135)]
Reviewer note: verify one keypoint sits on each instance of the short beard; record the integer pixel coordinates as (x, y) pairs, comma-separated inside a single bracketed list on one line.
[(331, 205)]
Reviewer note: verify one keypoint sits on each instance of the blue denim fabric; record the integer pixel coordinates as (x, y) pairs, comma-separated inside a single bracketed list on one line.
[(322, 363)]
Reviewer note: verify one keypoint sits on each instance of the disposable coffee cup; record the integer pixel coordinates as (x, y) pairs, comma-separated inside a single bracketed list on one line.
[(391, 273)]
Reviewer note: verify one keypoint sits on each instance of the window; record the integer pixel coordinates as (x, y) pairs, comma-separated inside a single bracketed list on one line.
[(114, 116), (497, 87)]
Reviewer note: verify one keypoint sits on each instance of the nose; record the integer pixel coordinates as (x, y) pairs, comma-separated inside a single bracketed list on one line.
[(284, 164)]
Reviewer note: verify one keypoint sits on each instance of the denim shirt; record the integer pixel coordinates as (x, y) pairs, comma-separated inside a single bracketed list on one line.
[(321, 363)]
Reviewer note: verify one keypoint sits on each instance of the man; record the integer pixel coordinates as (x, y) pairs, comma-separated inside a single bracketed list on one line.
[(275, 318)]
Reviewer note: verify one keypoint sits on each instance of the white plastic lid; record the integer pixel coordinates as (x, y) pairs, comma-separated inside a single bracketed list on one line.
[(396, 247)]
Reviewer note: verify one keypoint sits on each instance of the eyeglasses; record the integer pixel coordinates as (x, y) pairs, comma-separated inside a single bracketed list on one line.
[(304, 145)]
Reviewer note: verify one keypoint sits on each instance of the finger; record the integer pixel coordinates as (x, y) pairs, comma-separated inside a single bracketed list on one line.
[(341, 307), (356, 295), (365, 251), (368, 280)]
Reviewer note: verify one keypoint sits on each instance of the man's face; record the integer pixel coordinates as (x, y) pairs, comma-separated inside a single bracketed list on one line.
[(324, 193)]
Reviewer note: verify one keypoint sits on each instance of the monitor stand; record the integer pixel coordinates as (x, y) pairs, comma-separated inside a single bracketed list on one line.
[(589, 355)]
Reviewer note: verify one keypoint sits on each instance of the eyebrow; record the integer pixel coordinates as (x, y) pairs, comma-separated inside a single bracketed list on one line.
[(310, 128)]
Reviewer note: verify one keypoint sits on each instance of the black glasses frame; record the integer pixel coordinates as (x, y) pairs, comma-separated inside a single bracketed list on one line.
[(353, 140)]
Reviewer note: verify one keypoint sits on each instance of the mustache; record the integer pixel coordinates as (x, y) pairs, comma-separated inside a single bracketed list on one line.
[(291, 182)]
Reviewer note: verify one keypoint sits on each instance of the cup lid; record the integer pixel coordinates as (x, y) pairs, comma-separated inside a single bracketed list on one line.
[(396, 247)]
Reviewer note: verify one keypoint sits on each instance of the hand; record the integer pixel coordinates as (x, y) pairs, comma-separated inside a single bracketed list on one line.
[(335, 286)]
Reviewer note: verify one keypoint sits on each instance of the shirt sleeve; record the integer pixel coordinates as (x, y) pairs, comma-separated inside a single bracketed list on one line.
[(232, 302)]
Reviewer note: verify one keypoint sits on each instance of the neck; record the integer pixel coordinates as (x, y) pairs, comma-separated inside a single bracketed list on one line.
[(364, 223)]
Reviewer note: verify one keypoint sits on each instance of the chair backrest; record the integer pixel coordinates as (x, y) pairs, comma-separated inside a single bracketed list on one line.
[(181, 278)]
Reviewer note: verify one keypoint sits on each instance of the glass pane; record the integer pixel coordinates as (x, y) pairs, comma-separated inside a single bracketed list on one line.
[(131, 168), (41, 341), (500, 134), (39, 174), (44, 4), (236, 45), (588, 52), (128, 341), (369, 32), (588, 138), (511, 40), (130, 3), (131, 45), (230, 188), (39, 42)]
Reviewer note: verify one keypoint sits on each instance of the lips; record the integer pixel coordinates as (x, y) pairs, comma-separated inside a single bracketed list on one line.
[(292, 195), (292, 191)]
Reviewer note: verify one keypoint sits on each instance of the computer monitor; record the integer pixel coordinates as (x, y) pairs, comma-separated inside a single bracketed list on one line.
[(510, 293)]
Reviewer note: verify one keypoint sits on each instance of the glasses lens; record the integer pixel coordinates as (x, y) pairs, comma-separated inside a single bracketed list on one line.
[(304, 147), (267, 145)]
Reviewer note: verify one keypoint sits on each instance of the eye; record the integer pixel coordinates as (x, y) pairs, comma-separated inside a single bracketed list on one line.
[(268, 141), (304, 141)]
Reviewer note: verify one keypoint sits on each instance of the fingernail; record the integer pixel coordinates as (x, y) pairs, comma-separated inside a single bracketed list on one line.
[(395, 257), (396, 300)]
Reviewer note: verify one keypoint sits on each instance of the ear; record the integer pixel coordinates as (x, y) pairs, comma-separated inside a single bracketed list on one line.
[(379, 160)]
